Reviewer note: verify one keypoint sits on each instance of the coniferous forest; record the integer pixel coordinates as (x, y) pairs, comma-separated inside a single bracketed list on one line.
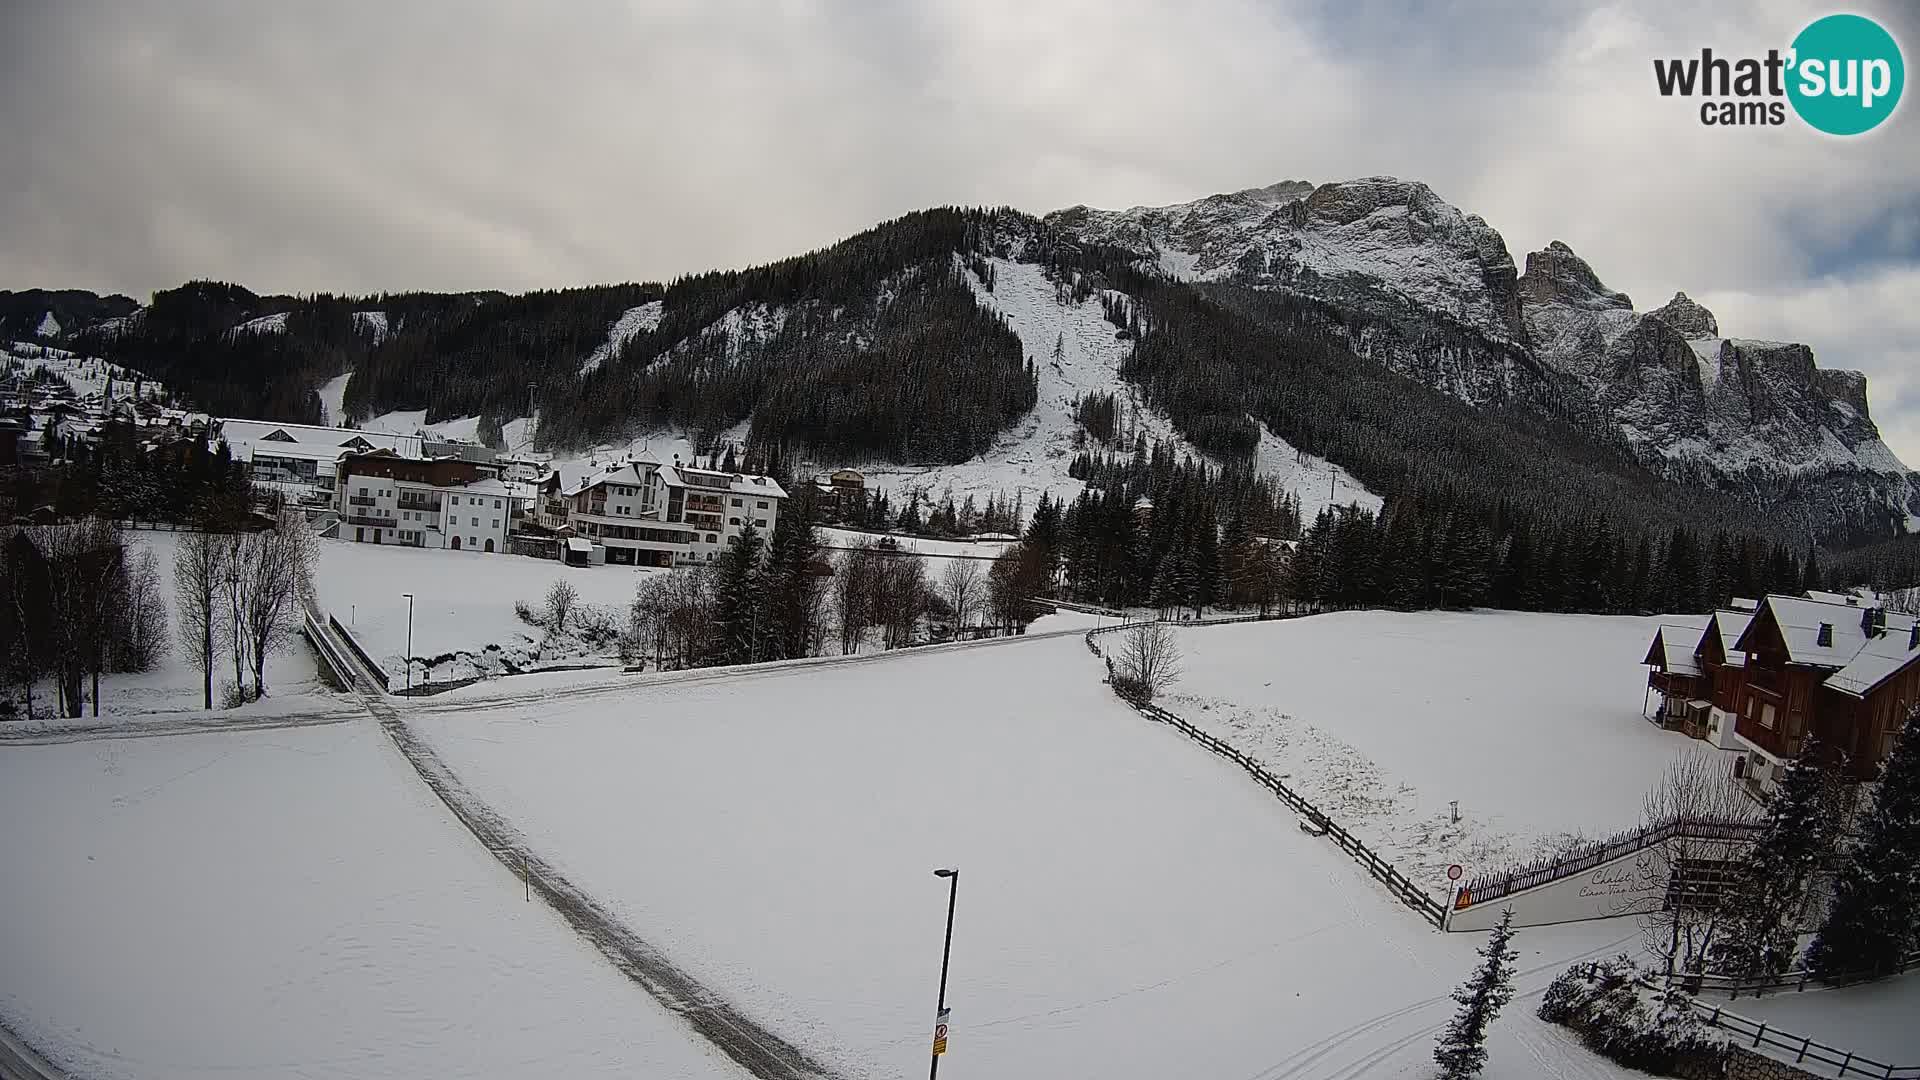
[(876, 349)]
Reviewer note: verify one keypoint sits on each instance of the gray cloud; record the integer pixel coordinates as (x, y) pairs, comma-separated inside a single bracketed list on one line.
[(364, 146)]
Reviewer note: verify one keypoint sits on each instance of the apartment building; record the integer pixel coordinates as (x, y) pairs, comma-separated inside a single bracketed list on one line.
[(384, 498), (643, 513)]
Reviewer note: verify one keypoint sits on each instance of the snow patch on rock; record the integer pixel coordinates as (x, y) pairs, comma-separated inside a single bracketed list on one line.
[(265, 324), (633, 322), (371, 323), (49, 326)]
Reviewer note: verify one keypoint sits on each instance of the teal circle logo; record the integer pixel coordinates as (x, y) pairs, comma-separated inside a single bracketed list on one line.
[(1846, 74)]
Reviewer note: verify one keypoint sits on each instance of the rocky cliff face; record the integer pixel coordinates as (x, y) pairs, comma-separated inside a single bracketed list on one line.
[(1756, 417)]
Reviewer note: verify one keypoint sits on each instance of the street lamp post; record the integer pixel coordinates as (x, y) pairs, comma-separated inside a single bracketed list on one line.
[(409, 656), (952, 874)]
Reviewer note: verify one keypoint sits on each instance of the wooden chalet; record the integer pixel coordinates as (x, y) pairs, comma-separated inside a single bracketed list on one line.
[(1843, 670)]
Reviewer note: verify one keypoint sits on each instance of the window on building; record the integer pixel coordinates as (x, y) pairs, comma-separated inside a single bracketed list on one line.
[(732, 521), (496, 523), (711, 539), (363, 489), (733, 539), (761, 505), (1766, 717), (455, 500), (496, 504), (736, 502), (759, 523), (476, 523)]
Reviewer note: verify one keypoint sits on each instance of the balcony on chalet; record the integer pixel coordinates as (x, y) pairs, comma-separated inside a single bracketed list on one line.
[(1767, 680), (369, 519), (363, 500), (416, 502)]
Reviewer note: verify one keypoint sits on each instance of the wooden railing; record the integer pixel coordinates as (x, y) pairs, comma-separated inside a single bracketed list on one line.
[(1487, 887), (1803, 1048), (1312, 816)]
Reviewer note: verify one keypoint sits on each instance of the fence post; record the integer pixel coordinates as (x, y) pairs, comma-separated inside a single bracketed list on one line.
[(1715, 1018), (1846, 1062), (1805, 1041), (1758, 1034)]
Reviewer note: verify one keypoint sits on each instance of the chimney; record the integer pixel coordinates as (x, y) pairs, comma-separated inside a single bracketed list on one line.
[(1824, 638), (1873, 621)]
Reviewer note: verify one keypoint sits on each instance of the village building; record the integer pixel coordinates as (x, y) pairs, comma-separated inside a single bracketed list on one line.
[(384, 498), (1835, 667), (643, 513), (299, 460)]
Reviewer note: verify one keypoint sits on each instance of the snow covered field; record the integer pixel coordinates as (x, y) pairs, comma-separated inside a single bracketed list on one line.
[(463, 600), (1382, 718), (295, 904), (1129, 905)]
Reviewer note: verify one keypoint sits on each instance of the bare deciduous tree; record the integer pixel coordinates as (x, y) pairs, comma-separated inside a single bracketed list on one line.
[(142, 632), (1690, 918), (853, 588), (962, 584), (562, 598), (278, 564), (1149, 658), (199, 572)]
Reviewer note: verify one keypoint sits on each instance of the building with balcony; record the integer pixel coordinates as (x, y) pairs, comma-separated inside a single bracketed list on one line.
[(643, 513), (384, 498), (1842, 669)]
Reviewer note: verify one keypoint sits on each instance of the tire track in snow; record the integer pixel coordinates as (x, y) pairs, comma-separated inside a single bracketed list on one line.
[(755, 1048)]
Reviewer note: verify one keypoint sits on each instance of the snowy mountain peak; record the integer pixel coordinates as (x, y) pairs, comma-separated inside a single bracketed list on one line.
[(1377, 240), (1555, 275), (1691, 320)]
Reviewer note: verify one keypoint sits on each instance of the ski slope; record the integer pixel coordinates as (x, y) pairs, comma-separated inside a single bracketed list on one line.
[(290, 903), (1129, 906), (1531, 722)]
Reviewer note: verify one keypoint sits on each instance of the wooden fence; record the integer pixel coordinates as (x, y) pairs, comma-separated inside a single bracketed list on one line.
[(1755, 1034), (1382, 871), (1490, 886), (1797, 980)]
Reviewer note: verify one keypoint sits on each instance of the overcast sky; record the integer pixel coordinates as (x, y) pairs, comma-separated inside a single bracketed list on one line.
[(367, 146)]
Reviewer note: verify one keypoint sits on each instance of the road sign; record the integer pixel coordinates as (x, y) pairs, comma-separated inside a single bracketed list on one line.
[(940, 1033), (1454, 872)]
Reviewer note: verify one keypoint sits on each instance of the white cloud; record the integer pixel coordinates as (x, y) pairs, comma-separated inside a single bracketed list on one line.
[(368, 145)]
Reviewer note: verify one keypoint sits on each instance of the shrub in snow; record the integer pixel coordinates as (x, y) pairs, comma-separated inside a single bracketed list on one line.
[(562, 598), (1463, 1046), (525, 612), (1617, 1018)]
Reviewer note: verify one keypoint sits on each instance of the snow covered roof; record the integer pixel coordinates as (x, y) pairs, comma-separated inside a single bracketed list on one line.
[(1677, 643), (738, 483), (1730, 625), (1672, 649), (579, 544), (1881, 658), (628, 472), (1800, 621), (1741, 603), (243, 435)]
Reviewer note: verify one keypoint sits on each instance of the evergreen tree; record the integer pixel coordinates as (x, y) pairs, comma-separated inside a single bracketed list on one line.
[(789, 612), (736, 602), (1462, 1052), (1768, 893), (1874, 919)]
